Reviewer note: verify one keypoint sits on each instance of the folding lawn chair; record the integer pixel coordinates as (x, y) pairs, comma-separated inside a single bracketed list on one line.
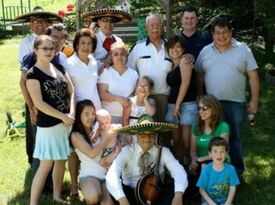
[(14, 129)]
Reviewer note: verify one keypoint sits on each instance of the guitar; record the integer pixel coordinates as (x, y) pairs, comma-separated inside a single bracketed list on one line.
[(149, 187)]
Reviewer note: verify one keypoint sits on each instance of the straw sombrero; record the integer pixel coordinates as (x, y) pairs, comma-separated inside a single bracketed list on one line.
[(50, 16), (146, 124), (118, 15)]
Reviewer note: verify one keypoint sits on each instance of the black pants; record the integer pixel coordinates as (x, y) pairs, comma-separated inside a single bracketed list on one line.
[(30, 135)]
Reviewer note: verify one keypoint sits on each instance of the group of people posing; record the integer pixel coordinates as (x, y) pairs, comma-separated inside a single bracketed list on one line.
[(104, 106)]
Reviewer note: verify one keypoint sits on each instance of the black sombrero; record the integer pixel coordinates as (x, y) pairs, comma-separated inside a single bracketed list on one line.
[(146, 124), (50, 16), (118, 15)]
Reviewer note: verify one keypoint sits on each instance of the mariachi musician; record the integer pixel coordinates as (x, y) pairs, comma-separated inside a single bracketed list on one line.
[(129, 177)]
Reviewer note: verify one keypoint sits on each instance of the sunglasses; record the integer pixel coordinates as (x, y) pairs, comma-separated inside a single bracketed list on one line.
[(202, 108)]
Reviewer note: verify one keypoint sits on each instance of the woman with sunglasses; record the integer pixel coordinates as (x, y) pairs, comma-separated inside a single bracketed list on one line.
[(209, 125)]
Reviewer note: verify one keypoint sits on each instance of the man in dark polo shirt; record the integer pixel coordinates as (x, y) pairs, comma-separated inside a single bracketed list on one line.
[(196, 39)]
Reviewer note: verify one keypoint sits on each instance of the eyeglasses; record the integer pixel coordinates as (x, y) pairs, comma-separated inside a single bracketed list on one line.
[(45, 49), (202, 108), (143, 86)]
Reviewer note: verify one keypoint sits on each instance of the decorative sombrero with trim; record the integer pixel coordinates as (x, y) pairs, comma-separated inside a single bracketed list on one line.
[(117, 15), (50, 16), (146, 124)]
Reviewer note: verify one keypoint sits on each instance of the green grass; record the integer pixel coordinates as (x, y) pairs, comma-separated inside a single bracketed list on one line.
[(258, 141)]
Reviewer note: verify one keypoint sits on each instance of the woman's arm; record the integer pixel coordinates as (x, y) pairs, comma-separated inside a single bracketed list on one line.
[(81, 144), (105, 95), (225, 136), (193, 153), (34, 90), (185, 72), (27, 98), (71, 94), (108, 160)]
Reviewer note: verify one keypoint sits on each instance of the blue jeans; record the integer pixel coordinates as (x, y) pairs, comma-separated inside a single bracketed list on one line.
[(234, 115)]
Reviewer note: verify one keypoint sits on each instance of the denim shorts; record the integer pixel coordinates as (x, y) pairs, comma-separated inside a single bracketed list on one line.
[(188, 114), (83, 178)]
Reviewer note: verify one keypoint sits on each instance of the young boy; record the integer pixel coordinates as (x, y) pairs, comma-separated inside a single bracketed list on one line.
[(106, 128), (218, 179)]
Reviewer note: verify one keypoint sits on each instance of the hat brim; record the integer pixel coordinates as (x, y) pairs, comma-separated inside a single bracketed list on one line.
[(147, 127), (118, 15), (49, 16)]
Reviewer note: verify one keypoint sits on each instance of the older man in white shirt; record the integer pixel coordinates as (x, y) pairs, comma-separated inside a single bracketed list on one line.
[(134, 161)]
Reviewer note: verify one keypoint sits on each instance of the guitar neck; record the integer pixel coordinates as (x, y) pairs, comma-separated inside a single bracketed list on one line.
[(156, 171)]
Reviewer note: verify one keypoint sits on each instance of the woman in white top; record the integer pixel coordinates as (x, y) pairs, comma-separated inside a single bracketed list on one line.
[(83, 68), (92, 167), (117, 83), (83, 71)]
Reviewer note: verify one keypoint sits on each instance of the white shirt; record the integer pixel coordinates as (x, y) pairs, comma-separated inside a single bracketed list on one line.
[(100, 52), (126, 166), (138, 110), (145, 58), (26, 46), (90, 167), (84, 78), (120, 85)]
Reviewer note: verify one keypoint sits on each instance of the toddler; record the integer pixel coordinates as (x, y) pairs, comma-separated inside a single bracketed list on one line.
[(105, 129)]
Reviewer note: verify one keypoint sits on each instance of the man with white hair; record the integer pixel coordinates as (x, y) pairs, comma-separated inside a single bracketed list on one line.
[(149, 57)]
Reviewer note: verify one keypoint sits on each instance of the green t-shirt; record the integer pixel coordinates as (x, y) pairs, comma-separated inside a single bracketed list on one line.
[(203, 139)]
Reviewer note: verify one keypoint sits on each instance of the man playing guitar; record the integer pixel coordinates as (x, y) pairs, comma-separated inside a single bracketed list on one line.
[(135, 175)]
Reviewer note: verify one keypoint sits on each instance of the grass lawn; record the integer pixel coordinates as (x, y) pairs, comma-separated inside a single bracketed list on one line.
[(259, 141)]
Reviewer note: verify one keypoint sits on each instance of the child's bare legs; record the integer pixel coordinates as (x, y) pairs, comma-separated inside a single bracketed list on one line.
[(58, 175), (39, 179), (73, 168)]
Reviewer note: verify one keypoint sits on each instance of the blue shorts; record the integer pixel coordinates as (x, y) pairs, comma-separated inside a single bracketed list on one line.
[(188, 114)]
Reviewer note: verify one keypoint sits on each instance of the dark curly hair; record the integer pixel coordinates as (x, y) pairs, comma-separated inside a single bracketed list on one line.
[(84, 32)]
